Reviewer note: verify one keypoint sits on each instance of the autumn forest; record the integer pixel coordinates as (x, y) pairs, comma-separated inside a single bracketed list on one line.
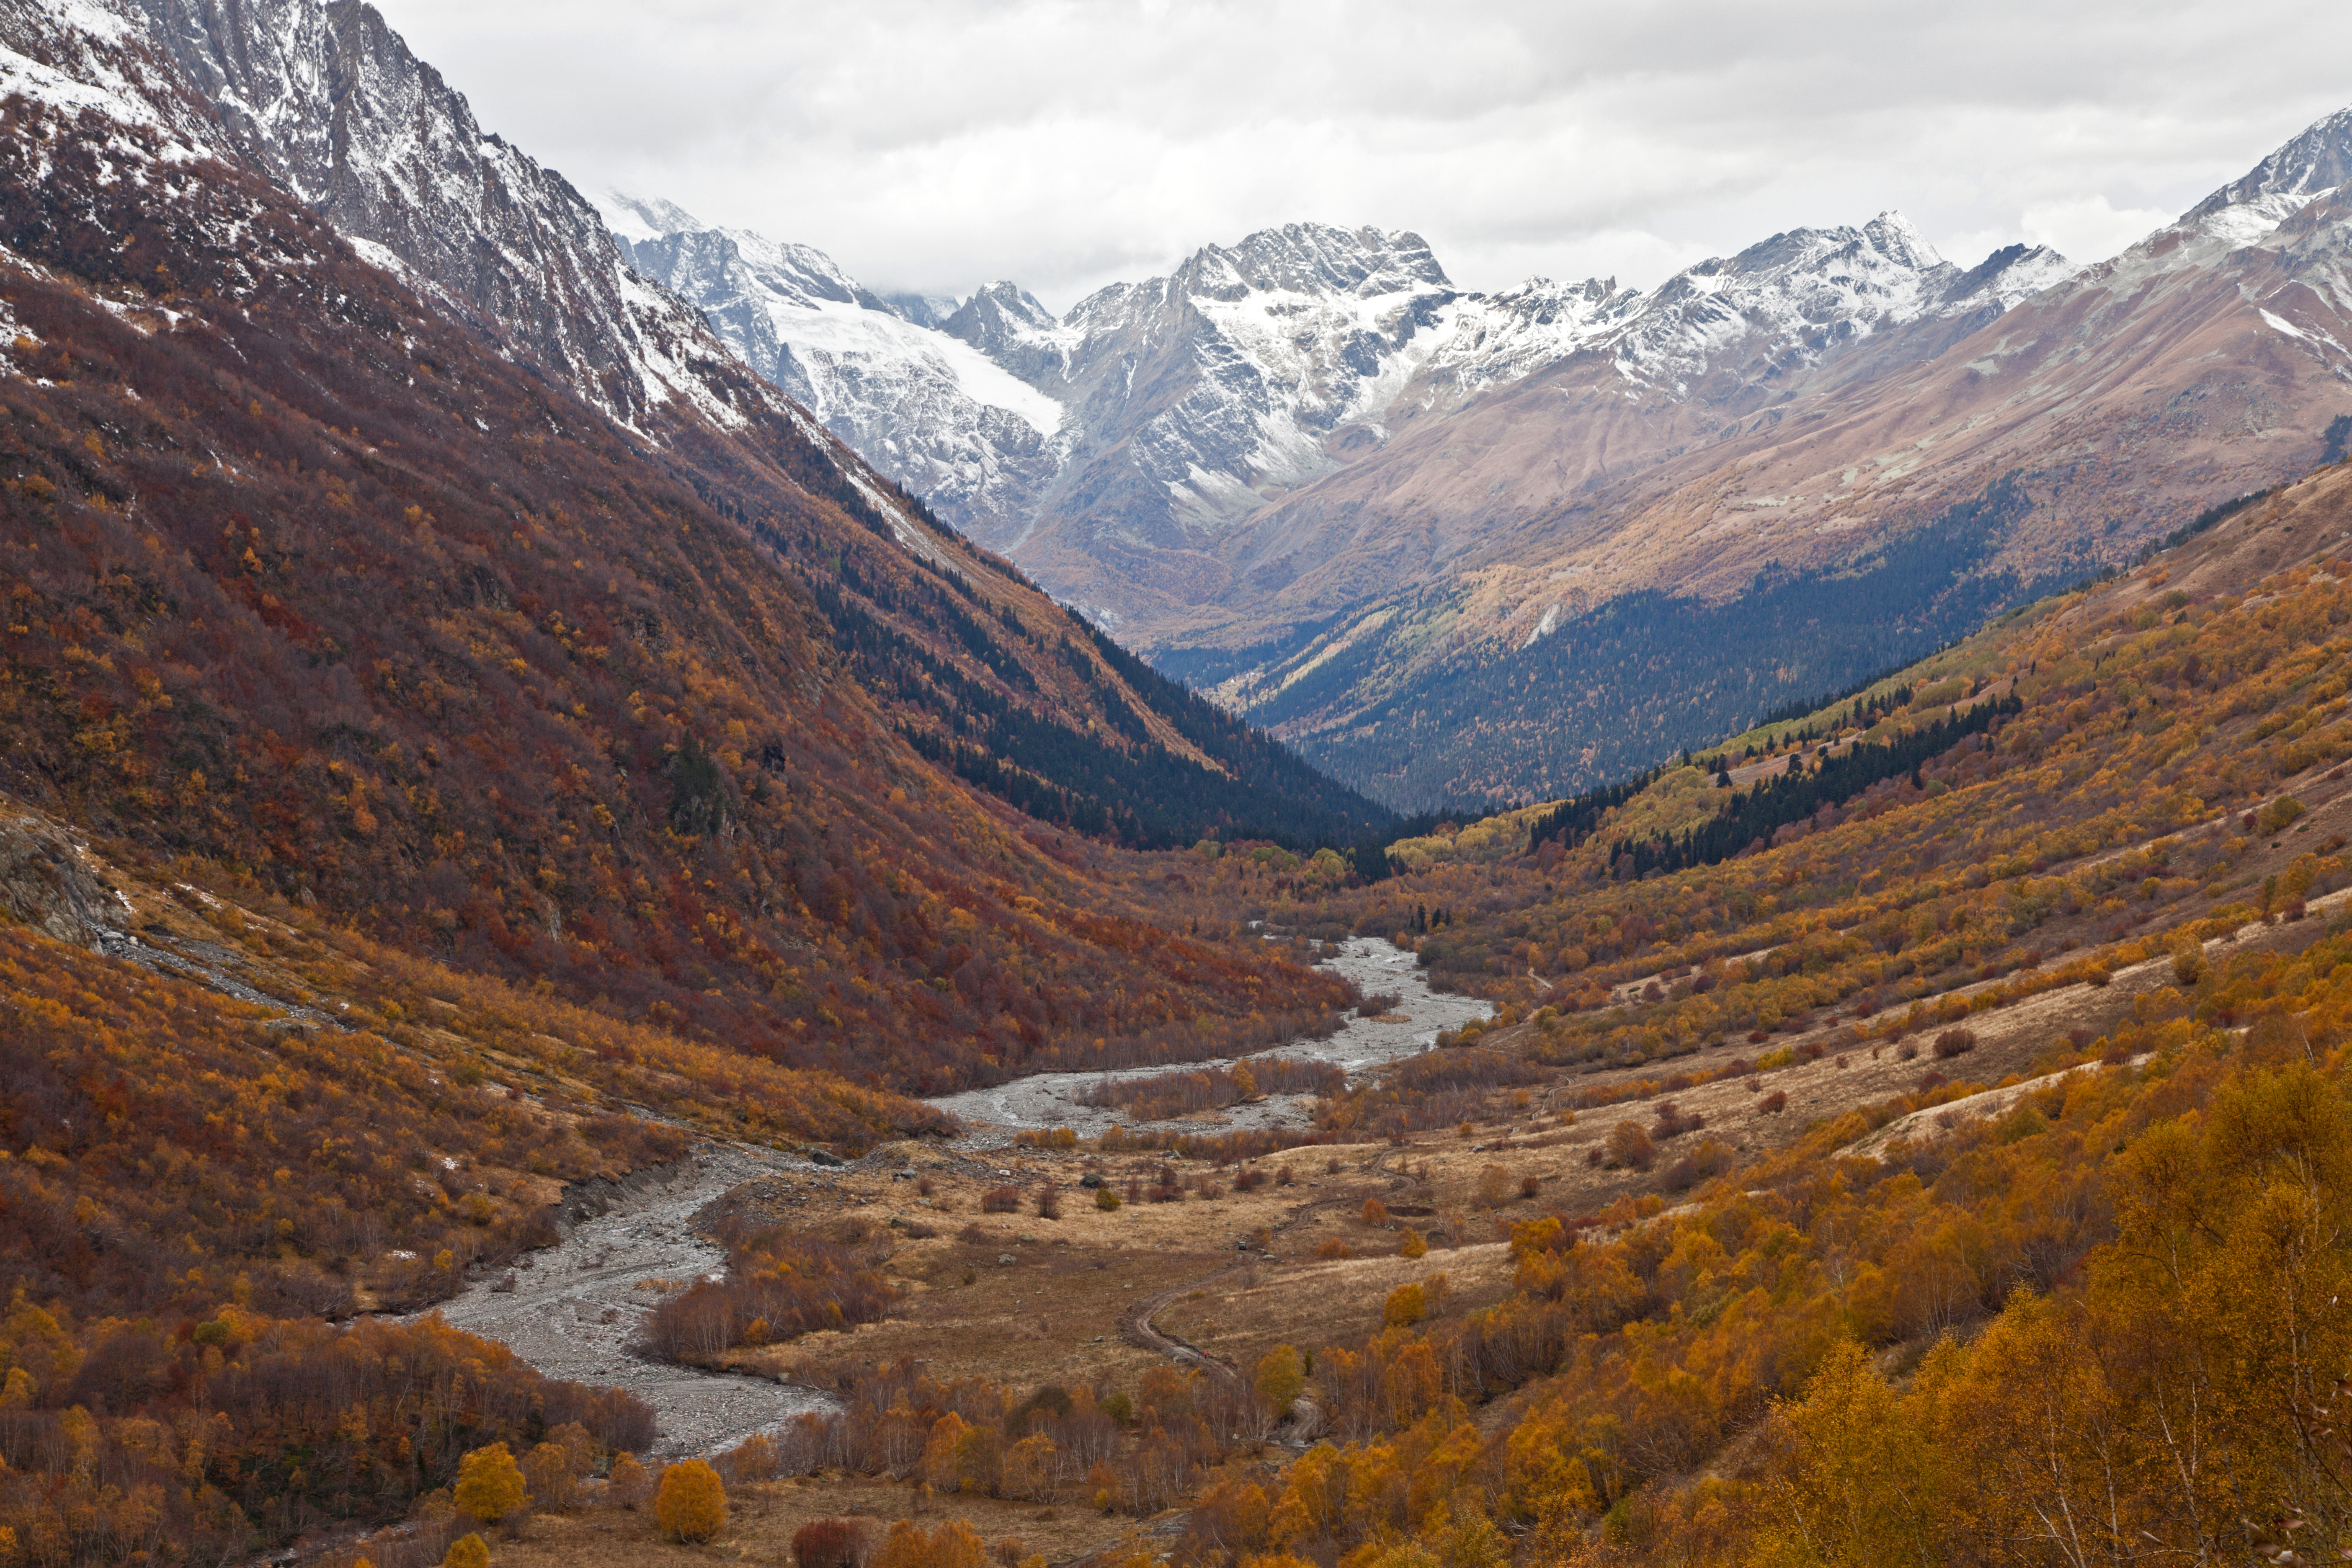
[(435, 813)]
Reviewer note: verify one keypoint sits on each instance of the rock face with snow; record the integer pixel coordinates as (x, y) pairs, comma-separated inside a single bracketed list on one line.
[(1787, 469), (330, 101), (300, 148), (926, 407)]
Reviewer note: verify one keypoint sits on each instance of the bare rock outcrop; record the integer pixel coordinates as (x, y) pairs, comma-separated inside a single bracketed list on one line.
[(44, 884)]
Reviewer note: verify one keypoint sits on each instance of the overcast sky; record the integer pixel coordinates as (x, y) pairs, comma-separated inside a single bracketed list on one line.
[(933, 145)]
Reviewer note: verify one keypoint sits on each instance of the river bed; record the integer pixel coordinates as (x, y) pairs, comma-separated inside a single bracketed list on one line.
[(1378, 966), (576, 1306)]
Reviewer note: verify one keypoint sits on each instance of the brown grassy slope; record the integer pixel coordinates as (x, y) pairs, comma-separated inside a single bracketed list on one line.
[(304, 582)]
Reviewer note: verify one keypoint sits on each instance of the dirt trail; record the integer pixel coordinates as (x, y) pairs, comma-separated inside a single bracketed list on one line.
[(1136, 1327), (1375, 964), (577, 1306)]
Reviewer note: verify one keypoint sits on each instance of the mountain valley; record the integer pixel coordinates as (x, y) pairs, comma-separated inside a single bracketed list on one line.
[(1407, 527), (610, 950)]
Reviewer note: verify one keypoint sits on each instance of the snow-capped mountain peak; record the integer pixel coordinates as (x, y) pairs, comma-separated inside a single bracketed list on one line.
[(641, 218), (1003, 322), (1315, 259), (2313, 164), (929, 408), (1802, 296)]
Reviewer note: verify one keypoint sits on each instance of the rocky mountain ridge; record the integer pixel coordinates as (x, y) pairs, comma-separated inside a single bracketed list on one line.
[(1187, 405), (915, 400), (1793, 544), (968, 658)]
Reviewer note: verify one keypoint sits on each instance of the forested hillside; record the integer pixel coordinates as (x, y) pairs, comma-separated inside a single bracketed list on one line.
[(1612, 690), (2051, 1279), (310, 584)]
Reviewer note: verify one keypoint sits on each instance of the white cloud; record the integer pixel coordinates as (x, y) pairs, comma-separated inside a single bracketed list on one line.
[(2090, 227), (934, 144)]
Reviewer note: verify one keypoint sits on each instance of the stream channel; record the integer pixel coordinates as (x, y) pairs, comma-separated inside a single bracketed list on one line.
[(575, 1308), (1378, 966)]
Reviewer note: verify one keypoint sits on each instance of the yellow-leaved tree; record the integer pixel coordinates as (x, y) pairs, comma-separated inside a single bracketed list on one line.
[(954, 1544), (490, 1484), (1281, 1376), (692, 1502), (1849, 1483), (628, 1485)]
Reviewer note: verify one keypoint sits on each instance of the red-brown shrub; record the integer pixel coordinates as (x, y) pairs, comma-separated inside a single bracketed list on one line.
[(830, 1543), (791, 1282)]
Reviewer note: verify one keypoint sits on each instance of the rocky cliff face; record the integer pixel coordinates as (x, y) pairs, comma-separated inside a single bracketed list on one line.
[(43, 882), (941, 417), (330, 99)]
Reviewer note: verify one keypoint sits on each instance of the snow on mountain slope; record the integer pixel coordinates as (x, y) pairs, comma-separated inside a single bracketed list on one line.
[(1230, 378), (927, 407), (1003, 322), (2310, 165), (631, 218), (331, 101), (1492, 340), (1120, 449), (78, 55), (1789, 302), (1974, 437), (1316, 414), (2245, 212)]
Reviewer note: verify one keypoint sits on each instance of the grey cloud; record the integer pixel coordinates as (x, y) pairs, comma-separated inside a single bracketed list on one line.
[(932, 146)]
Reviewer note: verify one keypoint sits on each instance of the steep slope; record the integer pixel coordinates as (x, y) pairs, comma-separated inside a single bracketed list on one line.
[(330, 101), (1883, 509), (308, 582), (1977, 1128)]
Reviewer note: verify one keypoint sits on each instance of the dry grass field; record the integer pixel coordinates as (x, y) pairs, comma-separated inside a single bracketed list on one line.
[(763, 1515)]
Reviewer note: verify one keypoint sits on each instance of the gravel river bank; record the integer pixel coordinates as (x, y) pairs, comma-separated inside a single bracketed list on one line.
[(576, 1306), (1377, 965)]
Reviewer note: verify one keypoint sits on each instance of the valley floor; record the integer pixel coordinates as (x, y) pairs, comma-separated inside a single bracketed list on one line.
[(1378, 966), (575, 1310)]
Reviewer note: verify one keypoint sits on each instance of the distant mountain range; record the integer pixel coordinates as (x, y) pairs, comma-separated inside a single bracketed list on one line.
[(1447, 544), (1504, 544)]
